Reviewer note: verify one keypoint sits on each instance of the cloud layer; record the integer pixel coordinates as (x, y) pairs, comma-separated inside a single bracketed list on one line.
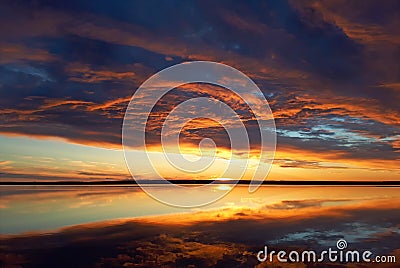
[(331, 75)]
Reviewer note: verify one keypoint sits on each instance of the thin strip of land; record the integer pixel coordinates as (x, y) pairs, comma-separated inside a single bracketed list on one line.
[(196, 182)]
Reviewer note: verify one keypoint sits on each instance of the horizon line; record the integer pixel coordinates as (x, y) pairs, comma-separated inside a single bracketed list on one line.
[(198, 182)]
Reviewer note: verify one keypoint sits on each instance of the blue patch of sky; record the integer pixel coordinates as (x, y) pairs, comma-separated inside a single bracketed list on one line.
[(331, 128)]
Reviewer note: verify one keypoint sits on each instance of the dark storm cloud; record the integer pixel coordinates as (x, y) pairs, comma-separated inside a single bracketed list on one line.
[(68, 69)]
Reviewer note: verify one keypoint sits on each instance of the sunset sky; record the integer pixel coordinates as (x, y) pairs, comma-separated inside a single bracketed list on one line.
[(329, 70)]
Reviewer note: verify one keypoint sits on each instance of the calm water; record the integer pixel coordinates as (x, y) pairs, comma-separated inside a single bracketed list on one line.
[(27, 209), (123, 227)]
